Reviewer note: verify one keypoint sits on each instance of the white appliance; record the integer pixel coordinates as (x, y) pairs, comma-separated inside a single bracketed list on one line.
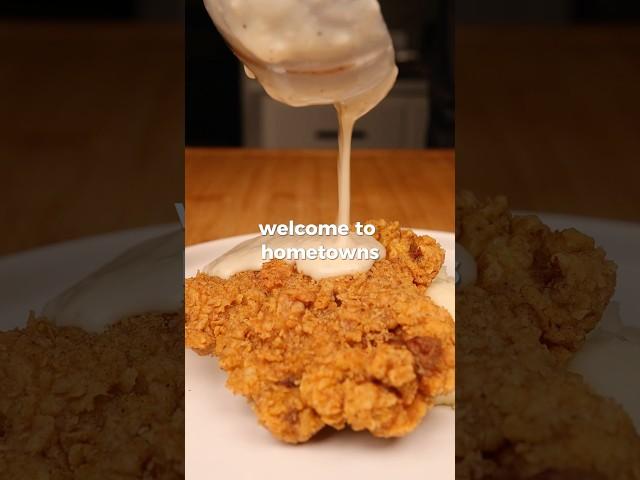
[(399, 121)]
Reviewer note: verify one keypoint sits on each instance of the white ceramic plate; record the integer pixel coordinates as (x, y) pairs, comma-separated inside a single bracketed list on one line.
[(32, 277), (621, 241), (224, 439)]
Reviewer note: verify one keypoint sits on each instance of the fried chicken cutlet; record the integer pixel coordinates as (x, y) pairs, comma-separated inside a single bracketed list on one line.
[(369, 351), (80, 405), (520, 412), (562, 277)]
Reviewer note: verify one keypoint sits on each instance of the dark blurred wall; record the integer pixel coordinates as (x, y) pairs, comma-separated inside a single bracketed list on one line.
[(154, 10), (548, 106), (606, 10), (546, 12), (439, 51), (92, 124), (113, 9), (212, 83)]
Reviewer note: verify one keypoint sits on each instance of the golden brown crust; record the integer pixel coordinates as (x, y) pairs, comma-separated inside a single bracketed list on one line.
[(369, 351), (520, 413), (561, 277), (421, 255), (81, 405)]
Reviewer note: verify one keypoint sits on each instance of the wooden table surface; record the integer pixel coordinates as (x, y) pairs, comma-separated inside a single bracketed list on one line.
[(550, 117), (231, 191), (91, 129)]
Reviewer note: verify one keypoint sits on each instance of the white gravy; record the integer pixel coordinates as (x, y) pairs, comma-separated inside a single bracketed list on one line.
[(247, 256), (311, 52), (443, 292)]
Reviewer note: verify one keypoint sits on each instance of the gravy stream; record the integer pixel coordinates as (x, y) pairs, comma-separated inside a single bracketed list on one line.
[(327, 55), (353, 68)]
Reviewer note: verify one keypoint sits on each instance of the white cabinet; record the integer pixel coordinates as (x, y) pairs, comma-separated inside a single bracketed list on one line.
[(400, 121)]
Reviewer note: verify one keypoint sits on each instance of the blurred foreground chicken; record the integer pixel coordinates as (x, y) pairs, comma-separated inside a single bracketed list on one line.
[(79, 405), (520, 412)]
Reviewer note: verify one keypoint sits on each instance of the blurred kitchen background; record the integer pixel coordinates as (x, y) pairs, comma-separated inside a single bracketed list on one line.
[(92, 123), (225, 108), (128, 10), (548, 104)]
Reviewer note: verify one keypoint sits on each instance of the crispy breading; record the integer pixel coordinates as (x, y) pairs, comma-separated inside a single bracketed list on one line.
[(93, 406), (421, 255), (561, 277), (520, 413), (369, 351)]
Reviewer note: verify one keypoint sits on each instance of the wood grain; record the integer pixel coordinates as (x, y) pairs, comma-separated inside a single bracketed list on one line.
[(91, 130), (550, 117), (229, 192)]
